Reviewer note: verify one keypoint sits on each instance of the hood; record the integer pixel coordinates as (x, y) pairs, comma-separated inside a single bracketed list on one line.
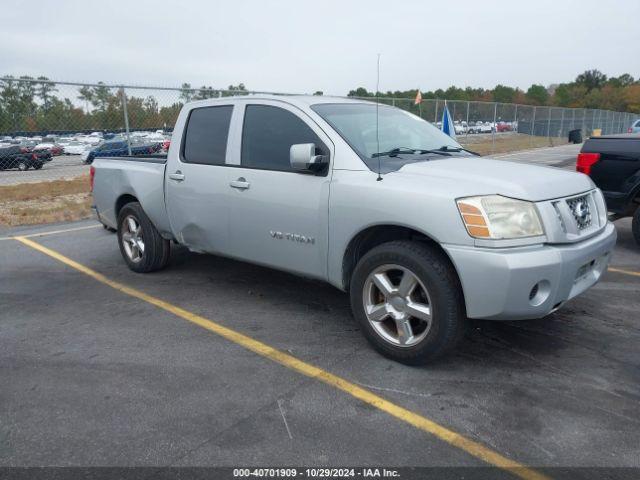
[(468, 176)]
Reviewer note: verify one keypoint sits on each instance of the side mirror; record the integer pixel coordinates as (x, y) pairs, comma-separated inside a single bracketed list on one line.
[(303, 158)]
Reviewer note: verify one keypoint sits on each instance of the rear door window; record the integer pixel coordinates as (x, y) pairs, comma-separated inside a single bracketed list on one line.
[(206, 136)]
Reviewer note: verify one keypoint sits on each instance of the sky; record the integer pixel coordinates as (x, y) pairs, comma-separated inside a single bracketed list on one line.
[(328, 45)]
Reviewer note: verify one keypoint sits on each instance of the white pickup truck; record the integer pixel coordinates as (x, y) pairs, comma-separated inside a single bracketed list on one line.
[(373, 200)]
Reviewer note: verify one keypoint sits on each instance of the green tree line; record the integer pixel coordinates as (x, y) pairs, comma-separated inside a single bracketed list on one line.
[(591, 89), (30, 104)]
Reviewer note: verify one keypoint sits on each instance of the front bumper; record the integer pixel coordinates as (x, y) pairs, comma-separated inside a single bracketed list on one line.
[(500, 284)]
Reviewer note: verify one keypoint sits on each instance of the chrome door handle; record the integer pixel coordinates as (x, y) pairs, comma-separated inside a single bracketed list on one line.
[(178, 176), (240, 184)]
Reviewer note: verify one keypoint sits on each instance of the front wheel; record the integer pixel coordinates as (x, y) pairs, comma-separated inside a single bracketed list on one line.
[(407, 298), (22, 166), (141, 245)]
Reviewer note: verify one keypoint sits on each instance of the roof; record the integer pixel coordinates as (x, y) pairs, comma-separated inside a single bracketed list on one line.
[(298, 100)]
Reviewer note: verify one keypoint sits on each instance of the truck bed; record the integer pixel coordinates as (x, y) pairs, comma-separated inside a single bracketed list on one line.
[(119, 178)]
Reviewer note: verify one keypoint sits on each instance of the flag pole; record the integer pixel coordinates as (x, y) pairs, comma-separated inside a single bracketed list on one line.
[(418, 101)]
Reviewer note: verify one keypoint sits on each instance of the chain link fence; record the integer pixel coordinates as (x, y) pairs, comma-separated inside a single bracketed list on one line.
[(60, 123), (514, 125)]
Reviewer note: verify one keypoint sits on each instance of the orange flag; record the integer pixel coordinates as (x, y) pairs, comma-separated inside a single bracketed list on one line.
[(418, 99)]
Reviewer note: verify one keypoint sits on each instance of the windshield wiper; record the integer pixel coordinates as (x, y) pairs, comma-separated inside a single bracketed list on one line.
[(447, 148), (394, 152)]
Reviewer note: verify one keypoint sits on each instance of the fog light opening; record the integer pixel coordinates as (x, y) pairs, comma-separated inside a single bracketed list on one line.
[(539, 293)]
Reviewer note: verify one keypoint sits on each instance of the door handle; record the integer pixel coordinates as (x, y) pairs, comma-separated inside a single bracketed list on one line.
[(240, 184), (178, 176)]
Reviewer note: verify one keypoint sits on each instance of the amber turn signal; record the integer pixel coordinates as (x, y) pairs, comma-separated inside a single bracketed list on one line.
[(474, 220)]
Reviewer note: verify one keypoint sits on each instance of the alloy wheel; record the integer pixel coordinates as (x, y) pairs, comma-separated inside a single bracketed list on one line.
[(397, 305), (132, 239)]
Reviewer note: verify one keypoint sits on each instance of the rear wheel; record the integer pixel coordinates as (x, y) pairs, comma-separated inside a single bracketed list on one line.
[(635, 226), (38, 166), (22, 166), (140, 243), (407, 298)]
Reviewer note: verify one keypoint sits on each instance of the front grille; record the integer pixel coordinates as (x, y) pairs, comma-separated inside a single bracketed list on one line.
[(581, 211)]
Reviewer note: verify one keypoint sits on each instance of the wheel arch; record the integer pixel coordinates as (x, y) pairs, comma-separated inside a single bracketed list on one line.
[(121, 201), (374, 235)]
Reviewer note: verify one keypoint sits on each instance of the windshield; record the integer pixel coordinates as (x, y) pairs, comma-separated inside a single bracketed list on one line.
[(397, 129)]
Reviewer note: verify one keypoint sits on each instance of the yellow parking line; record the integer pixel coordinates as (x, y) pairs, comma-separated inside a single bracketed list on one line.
[(416, 420), (626, 272), (51, 232)]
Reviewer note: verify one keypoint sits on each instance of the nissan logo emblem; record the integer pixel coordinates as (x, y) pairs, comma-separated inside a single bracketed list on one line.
[(582, 211)]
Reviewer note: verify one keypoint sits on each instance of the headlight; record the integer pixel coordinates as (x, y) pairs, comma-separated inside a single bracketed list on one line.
[(497, 217)]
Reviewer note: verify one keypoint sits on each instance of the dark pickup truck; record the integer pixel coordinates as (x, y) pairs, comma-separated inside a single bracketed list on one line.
[(15, 156), (613, 163)]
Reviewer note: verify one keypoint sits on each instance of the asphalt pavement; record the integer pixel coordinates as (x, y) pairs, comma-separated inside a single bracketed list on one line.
[(92, 374), (563, 156)]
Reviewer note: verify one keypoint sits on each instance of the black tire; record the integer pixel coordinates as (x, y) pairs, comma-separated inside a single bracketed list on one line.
[(635, 226), (156, 249), (38, 166), (22, 166), (434, 270)]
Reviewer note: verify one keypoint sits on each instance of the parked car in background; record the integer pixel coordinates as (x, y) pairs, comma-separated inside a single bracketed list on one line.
[(28, 146), (166, 144), (487, 127), (370, 198), (13, 156), (635, 127), (503, 127), (75, 148), (89, 139), (480, 127), (64, 141), (613, 163), (54, 148), (118, 148)]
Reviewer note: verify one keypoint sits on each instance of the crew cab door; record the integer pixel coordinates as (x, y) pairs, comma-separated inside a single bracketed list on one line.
[(278, 217), (196, 184)]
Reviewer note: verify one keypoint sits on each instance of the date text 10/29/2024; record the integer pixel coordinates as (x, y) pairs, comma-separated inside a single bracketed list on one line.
[(368, 472)]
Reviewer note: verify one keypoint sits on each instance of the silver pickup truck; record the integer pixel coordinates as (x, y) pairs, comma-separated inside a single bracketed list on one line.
[(373, 200)]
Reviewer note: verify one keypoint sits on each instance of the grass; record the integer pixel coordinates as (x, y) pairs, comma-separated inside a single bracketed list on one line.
[(45, 202), (505, 143), (67, 200)]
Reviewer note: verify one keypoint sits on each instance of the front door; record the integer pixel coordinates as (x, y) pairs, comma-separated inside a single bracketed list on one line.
[(279, 216)]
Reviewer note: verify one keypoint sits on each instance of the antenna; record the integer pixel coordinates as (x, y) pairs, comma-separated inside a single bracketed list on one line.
[(377, 130)]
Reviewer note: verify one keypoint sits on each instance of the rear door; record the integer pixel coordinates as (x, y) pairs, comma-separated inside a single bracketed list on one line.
[(278, 217), (197, 187)]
